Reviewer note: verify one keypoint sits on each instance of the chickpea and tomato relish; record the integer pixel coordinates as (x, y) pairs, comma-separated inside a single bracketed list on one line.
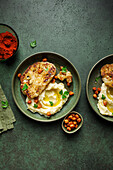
[(72, 121)]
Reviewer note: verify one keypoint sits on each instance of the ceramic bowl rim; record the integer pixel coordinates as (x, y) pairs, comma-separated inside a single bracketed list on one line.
[(75, 130)]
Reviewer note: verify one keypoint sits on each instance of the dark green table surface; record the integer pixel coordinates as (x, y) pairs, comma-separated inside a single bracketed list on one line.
[(82, 31)]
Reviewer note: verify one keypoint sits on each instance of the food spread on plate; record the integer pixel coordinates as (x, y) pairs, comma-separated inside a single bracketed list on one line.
[(44, 95), (105, 97)]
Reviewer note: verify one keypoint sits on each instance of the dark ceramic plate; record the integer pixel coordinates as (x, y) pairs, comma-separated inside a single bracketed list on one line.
[(57, 60), (93, 74)]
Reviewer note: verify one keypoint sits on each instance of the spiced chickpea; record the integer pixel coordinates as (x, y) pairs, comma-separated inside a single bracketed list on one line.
[(65, 125), (94, 88), (79, 120), (77, 116), (61, 67), (19, 75), (76, 126), (68, 84), (66, 121), (39, 106), (74, 118), (56, 77), (29, 102), (75, 122), (95, 96), (71, 93), (68, 128), (72, 126), (104, 102), (48, 114), (44, 59), (36, 100), (70, 117), (53, 81)]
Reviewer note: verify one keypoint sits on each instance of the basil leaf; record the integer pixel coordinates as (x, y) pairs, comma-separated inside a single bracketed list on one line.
[(4, 104), (35, 106), (97, 78), (33, 44), (64, 69), (103, 97), (61, 92), (25, 87), (51, 103), (63, 96), (46, 69), (66, 93)]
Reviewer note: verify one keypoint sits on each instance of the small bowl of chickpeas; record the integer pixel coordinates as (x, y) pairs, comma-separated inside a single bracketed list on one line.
[(72, 122)]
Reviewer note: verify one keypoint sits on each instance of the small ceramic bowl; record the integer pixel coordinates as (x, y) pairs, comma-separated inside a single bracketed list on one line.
[(74, 129), (4, 28)]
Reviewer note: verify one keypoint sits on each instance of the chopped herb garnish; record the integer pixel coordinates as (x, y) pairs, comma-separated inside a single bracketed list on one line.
[(64, 69), (97, 78), (35, 105), (103, 97), (112, 113), (51, 103), (33, 44), (4, 104), (61, 92), (63, 96), (46, 69), (25, 87), (66, 93)]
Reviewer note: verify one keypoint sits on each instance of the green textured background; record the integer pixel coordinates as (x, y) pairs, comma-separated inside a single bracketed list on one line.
[(82, 31)]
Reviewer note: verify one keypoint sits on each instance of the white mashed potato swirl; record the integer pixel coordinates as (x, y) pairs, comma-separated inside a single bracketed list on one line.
[(108, 93), (49, 95)]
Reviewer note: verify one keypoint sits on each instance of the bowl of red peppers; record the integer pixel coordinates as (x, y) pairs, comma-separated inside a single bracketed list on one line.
[(9, 42)]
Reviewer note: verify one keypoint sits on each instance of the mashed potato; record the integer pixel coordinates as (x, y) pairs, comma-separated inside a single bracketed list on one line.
[(106, 94), (51, 99)]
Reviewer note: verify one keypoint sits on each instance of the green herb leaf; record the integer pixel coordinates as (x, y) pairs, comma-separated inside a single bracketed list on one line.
[(46, 69), (35, 106), (51, 103), (103, 97), (66, 93), (63, 96), (25, 87), (4, 104), (33, 44), (112, 113), (64, 69), (61, 92), (97, 78)]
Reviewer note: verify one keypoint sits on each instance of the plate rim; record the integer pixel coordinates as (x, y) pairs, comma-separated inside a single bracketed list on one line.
[(102, 116), (12, 87)]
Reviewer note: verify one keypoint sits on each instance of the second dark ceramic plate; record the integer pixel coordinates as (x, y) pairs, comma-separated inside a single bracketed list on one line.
[(58, 60), (93, 74)]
